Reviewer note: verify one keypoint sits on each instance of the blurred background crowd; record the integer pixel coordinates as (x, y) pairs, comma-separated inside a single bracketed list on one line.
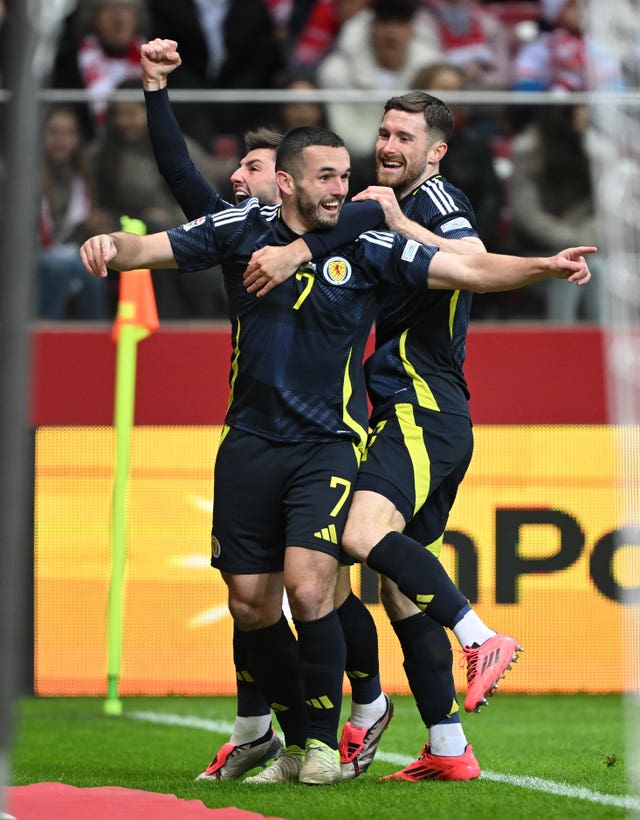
[(524, 167)]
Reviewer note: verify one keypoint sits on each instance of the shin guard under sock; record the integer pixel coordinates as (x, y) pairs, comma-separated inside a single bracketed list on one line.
[(322, 655), (361, 638), (419, 575), (274, 663), (250, 699), (428, 663)]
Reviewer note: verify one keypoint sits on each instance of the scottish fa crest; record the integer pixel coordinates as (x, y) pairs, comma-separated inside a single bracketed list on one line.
[(337, 271)]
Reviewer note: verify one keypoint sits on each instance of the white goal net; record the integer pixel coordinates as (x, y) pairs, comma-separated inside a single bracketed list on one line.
[(615, 27)]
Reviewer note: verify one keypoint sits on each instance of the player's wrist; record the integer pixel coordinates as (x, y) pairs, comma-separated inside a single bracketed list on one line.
[(403, 226), (154, 83), (300, 251)]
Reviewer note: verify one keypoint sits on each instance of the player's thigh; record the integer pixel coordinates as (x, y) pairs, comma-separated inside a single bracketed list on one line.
[(371, 517), (248, 528)]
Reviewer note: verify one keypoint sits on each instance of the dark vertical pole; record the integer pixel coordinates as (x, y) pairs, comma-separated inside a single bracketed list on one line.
[(33, 27)]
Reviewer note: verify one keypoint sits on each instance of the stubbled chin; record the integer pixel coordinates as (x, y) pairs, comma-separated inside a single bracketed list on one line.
[(390, 180)]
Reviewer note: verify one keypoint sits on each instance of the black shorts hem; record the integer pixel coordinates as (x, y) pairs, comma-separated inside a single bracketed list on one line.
[(376, 484), (246, 571)]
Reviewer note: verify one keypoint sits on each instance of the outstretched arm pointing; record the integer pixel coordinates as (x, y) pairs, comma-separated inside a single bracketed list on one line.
[(126, 251)]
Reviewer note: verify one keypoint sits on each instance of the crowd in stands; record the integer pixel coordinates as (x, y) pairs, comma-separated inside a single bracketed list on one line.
[(527, 175)]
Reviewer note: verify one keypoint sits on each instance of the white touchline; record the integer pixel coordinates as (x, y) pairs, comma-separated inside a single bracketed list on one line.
[(224, 727)]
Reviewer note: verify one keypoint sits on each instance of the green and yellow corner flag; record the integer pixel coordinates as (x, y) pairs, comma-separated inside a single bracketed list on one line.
[(136, 318)]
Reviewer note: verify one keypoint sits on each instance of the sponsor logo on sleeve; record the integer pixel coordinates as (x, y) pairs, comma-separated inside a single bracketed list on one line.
[(194, 224), (410, 250), (456, 224)]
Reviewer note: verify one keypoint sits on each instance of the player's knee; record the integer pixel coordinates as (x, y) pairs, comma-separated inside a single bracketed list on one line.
[(250, 615), (356, 539), (309, 599)]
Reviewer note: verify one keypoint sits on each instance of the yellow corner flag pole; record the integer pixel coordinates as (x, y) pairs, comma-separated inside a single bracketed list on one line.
[(136, 318)]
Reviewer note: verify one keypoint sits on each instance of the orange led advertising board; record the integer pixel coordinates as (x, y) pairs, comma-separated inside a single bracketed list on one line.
[(537, 542)]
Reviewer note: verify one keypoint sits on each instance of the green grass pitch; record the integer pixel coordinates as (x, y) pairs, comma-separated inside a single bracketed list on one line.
[(542, 757)]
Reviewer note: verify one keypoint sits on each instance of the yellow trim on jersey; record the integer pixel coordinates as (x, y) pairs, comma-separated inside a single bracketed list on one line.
[(423, 391), (453, 304), (414, 442), (347, 392), (223, 434), (234, 363), (373, 435)]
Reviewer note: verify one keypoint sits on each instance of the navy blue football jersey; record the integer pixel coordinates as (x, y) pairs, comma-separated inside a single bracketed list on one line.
[(296, 367), (420, 341)]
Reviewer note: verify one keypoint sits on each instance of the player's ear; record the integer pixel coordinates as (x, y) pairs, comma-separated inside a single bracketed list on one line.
[(285, 182), (437, 152)]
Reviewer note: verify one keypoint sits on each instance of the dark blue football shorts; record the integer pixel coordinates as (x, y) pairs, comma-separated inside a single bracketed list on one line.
[(269, 495), (417, 458)]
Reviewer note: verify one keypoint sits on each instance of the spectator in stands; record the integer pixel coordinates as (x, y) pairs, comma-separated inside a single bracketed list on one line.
[(469, 164), (474, 40), (562, 57), (379, 48), (67, 218), (469, 161), (225, 44), (129, 184), (295, 114), (100, 50), (282, 12), (312, 28), (552, 198)]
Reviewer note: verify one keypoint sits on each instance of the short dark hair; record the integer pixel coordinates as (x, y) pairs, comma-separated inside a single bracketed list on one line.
[(386, 10), (289, 155), (437, 115), (262, 138)]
